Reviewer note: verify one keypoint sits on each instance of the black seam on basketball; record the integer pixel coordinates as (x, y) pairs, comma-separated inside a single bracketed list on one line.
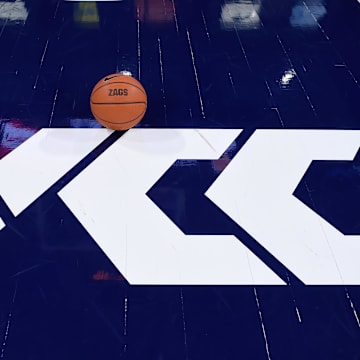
[(117, 123), (118, 103), (109, 78), (118, 82)]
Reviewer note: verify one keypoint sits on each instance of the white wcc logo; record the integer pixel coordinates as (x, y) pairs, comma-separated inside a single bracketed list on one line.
[(255, 190)]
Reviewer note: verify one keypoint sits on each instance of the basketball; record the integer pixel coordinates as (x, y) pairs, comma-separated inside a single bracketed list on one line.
[(118, 101)]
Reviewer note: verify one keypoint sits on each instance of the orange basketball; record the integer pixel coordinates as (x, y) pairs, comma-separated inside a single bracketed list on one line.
[(118, 101)]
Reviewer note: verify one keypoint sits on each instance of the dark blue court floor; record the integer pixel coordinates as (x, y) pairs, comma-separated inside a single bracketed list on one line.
[(225, 225)]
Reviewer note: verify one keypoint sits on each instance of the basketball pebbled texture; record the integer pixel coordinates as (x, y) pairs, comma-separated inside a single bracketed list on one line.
[(118, 101)]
